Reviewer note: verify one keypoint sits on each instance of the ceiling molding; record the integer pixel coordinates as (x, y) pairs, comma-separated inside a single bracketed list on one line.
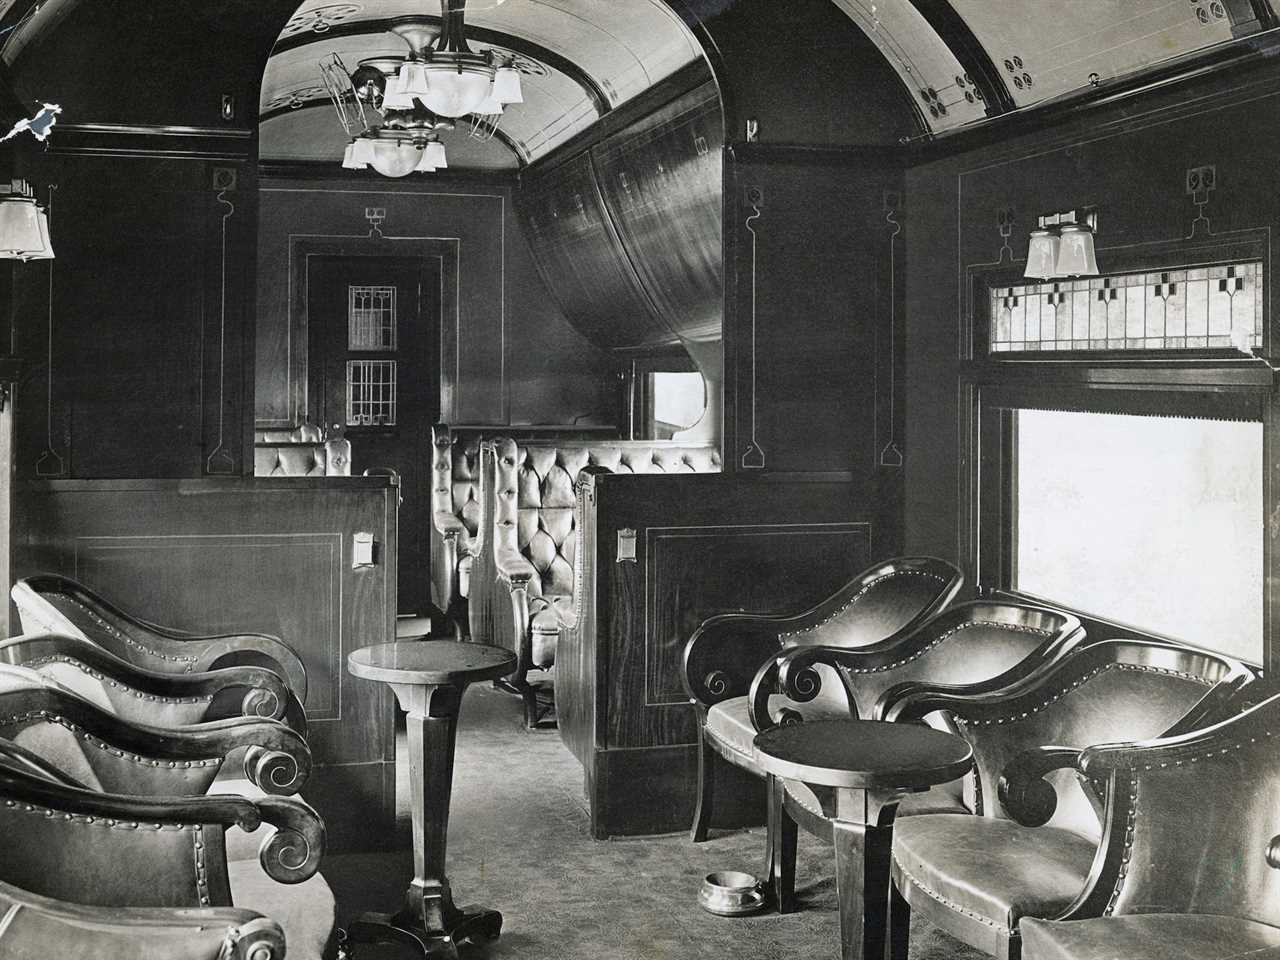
[(525, 48), (972, 55)]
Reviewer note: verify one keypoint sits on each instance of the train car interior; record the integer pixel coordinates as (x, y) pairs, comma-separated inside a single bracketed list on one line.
[(573, 479)]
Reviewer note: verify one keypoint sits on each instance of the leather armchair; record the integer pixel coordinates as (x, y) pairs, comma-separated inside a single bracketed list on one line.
[(983, 643), (65, 894), (882, 604), (1189, 858), (329, 458), (105, 751), (1046, 837), (159, 699), (455, 520), (534, 537), (50, 603)]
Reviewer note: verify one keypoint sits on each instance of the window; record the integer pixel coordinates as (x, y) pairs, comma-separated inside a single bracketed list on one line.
[(679, 399), (1212, 307), (1151, 521), (371, 328)]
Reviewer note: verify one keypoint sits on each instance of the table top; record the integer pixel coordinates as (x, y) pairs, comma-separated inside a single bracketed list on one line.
[(863, 754), (430, 662)]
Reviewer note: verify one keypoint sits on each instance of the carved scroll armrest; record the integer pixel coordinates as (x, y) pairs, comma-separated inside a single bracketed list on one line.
[(278, 761), (290, 855), (794, 675), (265, 694), (1025, 794), (43, 926), (213, 650), (723, 655), (513, 566)]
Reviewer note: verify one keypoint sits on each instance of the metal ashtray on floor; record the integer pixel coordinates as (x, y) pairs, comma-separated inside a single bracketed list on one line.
[(731, 893)]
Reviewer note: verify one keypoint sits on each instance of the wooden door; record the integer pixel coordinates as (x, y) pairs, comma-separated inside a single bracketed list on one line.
[(373, 378)]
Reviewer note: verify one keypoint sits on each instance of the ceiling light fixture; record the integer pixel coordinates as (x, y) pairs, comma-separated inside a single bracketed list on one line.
[(1062, 246), (24, 224), (411, 97)]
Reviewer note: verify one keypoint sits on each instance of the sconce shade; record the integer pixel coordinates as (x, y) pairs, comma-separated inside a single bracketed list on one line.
[(349, 160), (362, 152), (1042, 255), (425, 165), (45, 252), (1075, 252), (506, 85), (489, 107), (19, 228)]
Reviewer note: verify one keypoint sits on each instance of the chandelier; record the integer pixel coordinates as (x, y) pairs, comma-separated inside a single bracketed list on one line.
[(412, 97)]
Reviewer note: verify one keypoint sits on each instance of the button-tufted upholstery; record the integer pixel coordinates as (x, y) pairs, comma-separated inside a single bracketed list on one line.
[(534, 527), (306, 433), (330, 459), (455, 513)]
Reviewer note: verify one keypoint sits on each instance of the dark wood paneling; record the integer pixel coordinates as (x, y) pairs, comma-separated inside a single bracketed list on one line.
[(706, 544), (262, 554), (810, 353), (135, 333), (661, 181)]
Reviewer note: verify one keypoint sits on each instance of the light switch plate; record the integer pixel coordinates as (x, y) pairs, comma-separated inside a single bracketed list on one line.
[(626, 545), (362, 550)]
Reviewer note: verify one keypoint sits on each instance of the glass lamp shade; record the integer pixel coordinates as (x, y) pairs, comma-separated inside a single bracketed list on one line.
[(456, 89), (350, 161), (1042, 256), (506, 85), (362, 152), (19, 228), (394, 158), (1075, 252), (395, 97), (424, 164), (489, 108), (45, 252), (413, 79), (433, 154)]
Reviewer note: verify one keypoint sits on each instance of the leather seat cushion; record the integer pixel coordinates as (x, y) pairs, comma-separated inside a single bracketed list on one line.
[(306, 911), (546, 615), (1149, 936), (821, 801), (729, 721), (996, 870)]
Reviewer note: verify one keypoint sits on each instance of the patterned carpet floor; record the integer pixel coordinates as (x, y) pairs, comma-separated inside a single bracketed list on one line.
[(519, 842)]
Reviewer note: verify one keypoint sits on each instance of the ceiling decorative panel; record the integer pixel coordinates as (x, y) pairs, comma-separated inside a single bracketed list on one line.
[(1070, 45), (944, 95)]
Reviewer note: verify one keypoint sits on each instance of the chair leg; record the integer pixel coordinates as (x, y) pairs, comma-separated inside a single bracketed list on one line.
[(706, 790), (862, 882), (899, 924), (781, 840)]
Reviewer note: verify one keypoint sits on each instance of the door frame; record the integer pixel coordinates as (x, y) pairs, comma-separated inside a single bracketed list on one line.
[(301, 252)]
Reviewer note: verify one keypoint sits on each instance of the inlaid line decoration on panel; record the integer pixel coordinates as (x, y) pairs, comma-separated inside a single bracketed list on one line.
[(220, 460), (49, 463), (662, 654), (298, 565), (891, 453), (753, 455), (1188, 309)]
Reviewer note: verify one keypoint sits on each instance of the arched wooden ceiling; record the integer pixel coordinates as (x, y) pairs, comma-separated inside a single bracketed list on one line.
[(963, 61)]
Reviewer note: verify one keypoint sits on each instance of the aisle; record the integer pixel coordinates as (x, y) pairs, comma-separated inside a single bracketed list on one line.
[(519, 842)]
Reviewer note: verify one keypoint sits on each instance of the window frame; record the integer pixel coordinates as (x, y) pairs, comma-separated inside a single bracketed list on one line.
[(1218, 383)]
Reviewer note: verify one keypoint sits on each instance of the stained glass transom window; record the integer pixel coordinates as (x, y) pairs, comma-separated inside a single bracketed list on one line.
[(371, 317), (1191, 309), (371, 393)]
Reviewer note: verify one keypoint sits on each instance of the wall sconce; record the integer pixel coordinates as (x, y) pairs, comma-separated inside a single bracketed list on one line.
[(24, 225), (1062, 246)]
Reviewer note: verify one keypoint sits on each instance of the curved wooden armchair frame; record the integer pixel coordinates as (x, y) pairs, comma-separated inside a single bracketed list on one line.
[(52, 603), (138, 694)]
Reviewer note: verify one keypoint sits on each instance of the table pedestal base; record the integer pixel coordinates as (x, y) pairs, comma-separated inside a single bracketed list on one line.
[(406, 927)]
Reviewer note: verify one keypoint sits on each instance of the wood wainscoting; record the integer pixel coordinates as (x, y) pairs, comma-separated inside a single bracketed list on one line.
[(704, 544), (250, 554)]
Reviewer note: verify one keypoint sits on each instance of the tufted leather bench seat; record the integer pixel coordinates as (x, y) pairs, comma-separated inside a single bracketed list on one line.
[(298, 459), (455, 518), (534, 539)]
